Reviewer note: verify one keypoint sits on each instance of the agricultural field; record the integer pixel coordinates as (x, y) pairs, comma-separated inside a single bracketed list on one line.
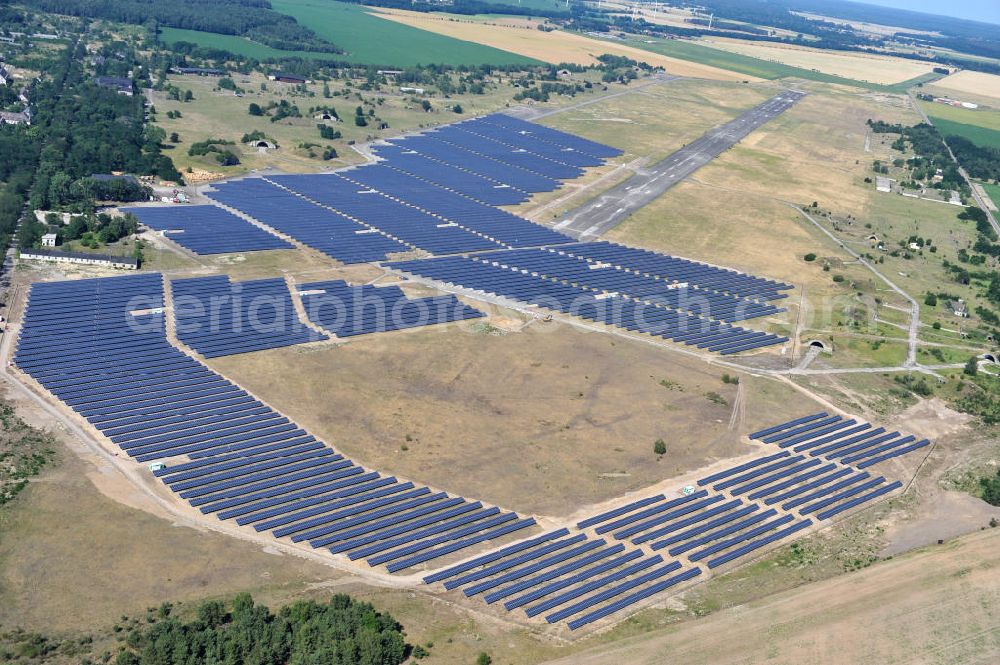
[(993, 191), (970, 86), (981, 126), (553, 47), (366, 38), (882, 70)]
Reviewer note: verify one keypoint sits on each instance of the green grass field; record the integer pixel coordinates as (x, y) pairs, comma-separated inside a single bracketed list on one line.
[(979, 126), (370, 39), (548, 5), (993, 191), (366, 38), (744, 64)]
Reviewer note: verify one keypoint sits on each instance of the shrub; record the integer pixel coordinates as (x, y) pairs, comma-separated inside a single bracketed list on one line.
[(810, 257), (660, 447)]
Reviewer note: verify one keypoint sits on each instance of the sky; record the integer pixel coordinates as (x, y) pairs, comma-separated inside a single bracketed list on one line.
[(976, 10)]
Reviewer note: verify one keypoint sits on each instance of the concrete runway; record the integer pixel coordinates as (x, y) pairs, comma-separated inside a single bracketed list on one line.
[(608, 210)]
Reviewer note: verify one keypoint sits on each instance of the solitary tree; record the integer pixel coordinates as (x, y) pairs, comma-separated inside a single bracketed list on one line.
[(660, 447), (971, 366)]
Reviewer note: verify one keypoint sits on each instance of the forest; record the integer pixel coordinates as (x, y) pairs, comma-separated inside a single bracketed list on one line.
[(253, 19)]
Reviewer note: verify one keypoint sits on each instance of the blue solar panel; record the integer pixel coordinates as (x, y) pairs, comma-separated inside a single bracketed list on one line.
[(207, 229), (348, 310)]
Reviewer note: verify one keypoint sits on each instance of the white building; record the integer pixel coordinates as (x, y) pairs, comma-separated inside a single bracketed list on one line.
[(49, 240), (80, 258)]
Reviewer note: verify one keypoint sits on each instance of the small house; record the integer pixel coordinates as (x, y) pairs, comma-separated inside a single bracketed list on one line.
[(49, 240)]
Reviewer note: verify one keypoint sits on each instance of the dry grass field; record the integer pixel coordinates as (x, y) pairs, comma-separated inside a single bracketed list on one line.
[(555, 47), (969, 86), (862, 67), (544, 421)]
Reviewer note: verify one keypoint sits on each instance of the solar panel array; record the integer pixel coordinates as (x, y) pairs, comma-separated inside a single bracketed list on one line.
[(207, 229), (662, 315), (848, 440), (398, 220), (501, 227), (436, 191), (494, 159), (336, 235), (565, 575), (620, 557), (217, 317), (99, 345), (348, 310)]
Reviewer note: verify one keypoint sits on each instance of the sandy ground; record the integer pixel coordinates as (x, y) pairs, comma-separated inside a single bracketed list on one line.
[(858, 66), (555, 47), (980, 84), (939, 605)]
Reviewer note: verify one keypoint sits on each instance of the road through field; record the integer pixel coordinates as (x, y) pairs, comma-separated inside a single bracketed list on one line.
[(605, 212)]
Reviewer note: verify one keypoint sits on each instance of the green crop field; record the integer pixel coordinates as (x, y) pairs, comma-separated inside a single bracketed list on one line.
[(548, 5), (981, 136), (366, 38), (744, 64), (979, 126), (993, 191)]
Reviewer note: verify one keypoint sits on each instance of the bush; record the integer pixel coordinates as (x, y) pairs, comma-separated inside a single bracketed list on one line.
[(838, 278), (810, 257), (660, 447), (990, 487), (930, 300), (483, 658)]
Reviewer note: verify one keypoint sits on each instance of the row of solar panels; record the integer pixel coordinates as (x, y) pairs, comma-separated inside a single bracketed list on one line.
[(564, 577), (100, 346), (216, 317), (835, 437), (207, 229), (604, 278), (513, 157), (347, 310), (675, 270), (646, 317)]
